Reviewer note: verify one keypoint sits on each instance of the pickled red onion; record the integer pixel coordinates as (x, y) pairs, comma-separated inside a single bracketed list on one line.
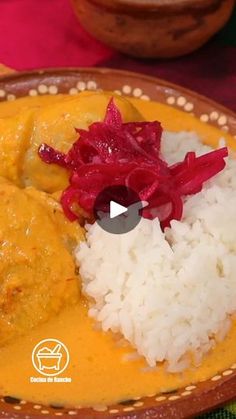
[(116, 153)]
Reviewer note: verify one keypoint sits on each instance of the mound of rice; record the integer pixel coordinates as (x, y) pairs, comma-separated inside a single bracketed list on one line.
[(169, 294)]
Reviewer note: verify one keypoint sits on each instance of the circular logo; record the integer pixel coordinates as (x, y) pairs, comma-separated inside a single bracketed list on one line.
[(50, 357), (117, 209)]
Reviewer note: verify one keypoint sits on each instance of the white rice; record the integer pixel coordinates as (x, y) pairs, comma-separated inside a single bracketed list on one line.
[(169, 294)]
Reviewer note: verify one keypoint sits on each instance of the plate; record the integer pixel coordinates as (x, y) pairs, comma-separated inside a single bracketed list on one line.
[(193, 399)]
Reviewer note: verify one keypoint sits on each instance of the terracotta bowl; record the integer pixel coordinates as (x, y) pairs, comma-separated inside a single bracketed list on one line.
[(153, 28), (197, 397)]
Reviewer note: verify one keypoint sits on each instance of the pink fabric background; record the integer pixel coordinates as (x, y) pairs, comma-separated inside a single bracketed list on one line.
[(46, 33)]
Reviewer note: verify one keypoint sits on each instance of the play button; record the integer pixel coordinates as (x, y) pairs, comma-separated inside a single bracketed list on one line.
[(117, 209)]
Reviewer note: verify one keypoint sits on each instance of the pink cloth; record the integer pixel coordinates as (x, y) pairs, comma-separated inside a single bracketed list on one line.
[(45, 33)]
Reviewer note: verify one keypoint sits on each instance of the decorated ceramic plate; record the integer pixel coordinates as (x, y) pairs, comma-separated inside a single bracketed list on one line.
[(101, 325)]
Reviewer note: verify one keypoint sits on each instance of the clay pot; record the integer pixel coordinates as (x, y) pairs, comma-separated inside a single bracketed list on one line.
[(153, 28)]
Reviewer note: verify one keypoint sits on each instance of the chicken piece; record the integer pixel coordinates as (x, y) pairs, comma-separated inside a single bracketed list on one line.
[(27, 122), (55, 125), (14, 141), (71, 233), (37, 270), (16, 125)]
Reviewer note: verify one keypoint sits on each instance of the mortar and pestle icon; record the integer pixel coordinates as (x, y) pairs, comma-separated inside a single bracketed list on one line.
[(49, 358)]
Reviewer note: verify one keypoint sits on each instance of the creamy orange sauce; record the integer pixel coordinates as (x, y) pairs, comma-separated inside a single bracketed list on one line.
[(100, 370), (103, 371)]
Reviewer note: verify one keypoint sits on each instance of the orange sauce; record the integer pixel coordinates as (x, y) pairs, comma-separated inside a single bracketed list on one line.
[(100, 369)]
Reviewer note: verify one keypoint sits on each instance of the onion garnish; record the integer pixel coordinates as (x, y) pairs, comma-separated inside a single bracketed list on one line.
[(116, 153)]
